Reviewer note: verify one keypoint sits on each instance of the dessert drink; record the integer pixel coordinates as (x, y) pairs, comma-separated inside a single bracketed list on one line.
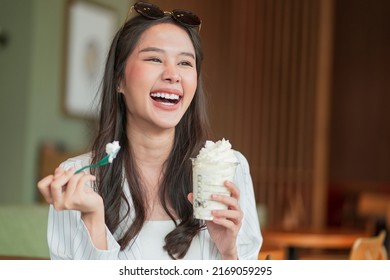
[(214, 164)]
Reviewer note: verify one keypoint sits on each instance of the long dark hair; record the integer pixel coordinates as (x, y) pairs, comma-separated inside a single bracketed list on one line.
[(190, 135)]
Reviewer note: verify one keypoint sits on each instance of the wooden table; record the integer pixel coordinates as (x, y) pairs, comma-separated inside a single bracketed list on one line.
[(272, 252), (292, 240)]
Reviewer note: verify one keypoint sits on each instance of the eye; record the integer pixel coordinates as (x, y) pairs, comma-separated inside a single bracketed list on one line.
[(186, 63), (153, 59)]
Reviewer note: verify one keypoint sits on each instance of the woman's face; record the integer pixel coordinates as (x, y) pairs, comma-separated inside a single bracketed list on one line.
[(160, 78)]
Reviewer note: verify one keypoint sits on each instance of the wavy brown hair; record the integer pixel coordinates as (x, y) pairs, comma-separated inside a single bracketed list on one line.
[(190, 135)]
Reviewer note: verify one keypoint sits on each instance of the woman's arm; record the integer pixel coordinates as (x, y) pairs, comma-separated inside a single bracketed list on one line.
[(69, 238), (76, 227), (249, 238)]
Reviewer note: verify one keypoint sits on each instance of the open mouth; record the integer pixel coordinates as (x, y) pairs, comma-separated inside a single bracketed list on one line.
[(166, 98)]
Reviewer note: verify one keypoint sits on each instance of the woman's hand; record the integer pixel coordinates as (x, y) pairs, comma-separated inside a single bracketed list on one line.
[(69, 191), (226, 224)]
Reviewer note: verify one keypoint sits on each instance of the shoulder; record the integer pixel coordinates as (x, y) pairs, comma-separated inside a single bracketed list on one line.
[(77, 162), (242, 161), (242, 178)]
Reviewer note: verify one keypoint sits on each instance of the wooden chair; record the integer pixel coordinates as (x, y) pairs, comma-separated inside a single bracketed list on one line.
[(50, 157), (369, 248), (388, 218), (373, 207)]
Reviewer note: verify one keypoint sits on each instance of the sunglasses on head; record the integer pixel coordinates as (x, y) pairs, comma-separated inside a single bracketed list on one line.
[(151, 11)]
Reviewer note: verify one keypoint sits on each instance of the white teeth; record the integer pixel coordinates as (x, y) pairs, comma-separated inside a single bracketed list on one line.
[(167, 103), (165, 95)]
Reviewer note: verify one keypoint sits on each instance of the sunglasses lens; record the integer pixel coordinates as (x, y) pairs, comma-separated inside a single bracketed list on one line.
[(186, 17), (148, 10)]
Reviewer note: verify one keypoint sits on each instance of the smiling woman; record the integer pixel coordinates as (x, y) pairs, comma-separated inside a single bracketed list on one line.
[(140, 205), (160, 77)]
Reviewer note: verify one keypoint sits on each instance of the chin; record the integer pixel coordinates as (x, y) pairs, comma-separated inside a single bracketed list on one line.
[(168, 121), (167, 125)]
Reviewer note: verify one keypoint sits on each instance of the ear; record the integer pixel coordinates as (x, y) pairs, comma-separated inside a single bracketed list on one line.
[(190, 197), (119, 87)]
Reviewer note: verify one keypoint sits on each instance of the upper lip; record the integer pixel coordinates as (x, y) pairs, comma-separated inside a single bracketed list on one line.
[(168, 90)]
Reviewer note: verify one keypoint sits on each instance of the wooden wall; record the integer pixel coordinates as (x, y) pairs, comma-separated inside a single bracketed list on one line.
[(360, 137), (359, 159)]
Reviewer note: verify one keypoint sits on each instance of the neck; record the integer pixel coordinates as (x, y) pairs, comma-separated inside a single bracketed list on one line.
[(151, 149)]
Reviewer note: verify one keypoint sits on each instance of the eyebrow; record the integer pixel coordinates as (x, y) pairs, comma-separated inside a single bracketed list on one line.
[(154, 49)]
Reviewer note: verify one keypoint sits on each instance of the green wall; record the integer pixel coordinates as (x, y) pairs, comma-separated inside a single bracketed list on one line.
[(31, 73)]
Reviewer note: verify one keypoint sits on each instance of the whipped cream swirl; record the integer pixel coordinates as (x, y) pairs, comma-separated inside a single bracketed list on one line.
[(220, 151)]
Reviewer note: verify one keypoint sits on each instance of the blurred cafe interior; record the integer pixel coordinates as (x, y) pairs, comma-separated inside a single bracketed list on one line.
[(300, 87)]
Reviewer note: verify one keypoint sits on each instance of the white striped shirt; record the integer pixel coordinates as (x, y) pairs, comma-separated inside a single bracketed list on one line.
[(68, 237)]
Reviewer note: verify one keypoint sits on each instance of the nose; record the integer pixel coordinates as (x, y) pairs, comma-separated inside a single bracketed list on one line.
[(171, 74)]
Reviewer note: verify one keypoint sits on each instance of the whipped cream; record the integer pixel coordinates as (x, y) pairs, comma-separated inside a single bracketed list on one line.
[(112, 150), (220, 151)]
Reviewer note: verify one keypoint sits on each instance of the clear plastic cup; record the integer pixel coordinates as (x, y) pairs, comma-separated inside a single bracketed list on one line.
[(208, 179)]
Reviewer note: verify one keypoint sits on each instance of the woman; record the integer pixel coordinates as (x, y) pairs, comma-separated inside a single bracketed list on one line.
[(139, 207)]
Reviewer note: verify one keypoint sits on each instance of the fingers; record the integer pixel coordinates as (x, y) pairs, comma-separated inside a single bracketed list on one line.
[(58, 172), (58, 185), (63, 188), (229, 217), (72, 185), (71, 196), (233, 215), (233, 190), (44, 188), (44, 185), (232, 200), (227, 223)]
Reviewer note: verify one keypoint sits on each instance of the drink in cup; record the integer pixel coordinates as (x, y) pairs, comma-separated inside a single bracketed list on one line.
[(214, 164)]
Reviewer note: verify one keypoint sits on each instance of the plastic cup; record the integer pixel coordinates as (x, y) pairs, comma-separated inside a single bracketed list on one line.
[(208, 178)]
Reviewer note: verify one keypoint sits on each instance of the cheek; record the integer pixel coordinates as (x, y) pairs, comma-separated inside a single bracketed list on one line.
[(191, 82), (133, 86), (134, 76)]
